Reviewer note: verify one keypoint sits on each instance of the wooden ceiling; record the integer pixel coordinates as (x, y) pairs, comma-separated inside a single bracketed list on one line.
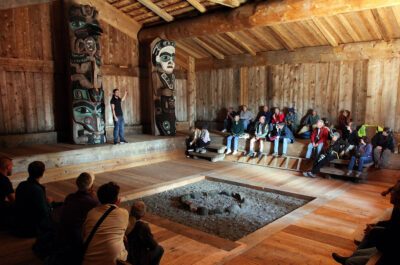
[(152, 12), (366, 25)]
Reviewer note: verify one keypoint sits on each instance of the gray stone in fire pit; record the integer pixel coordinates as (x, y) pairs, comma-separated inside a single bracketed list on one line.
[(202, 211), (233, 209)]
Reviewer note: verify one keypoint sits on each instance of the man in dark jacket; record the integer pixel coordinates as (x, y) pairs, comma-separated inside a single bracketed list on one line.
[(32, 209), (7, 195), (383, 144), (237, 130), (143, 249), (281, 133), (334, 150), (230, 115), (266, 113)]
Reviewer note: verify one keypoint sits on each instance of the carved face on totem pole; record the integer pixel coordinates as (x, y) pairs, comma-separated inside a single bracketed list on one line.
[(86, 81), (163, 58)]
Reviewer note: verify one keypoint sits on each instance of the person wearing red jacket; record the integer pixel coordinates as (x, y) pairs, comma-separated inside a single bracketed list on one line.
[(277, 117), (319, 139)]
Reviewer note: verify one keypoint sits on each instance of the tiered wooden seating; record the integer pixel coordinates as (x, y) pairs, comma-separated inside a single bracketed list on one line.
[(338, 167)]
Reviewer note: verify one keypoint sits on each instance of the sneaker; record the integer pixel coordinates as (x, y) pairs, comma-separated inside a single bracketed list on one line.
[(198, 150), (224, 130), (311, 175), (234, 152), (305, 174), (250, 154), (349, 173), (190, 150), (228, 151), (338, 258), (203, 151), (124, 142), (358, 174), (275, 154)]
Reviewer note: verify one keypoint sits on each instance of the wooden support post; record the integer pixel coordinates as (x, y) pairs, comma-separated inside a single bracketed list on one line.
[(191, 91)]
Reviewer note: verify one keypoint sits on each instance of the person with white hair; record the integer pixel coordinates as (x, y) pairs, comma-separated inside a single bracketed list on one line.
[(319, 139), (334, 150), (143, 248), (75, 209)]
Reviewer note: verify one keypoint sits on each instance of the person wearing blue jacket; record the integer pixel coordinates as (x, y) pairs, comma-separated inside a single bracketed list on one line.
[(363, 156), (281, 133)]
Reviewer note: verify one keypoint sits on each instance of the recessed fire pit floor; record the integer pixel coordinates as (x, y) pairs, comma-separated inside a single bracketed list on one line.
[(226, 210)]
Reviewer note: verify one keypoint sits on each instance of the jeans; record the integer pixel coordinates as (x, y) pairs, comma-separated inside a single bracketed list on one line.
[(361, 162), (235, 142), (286, 141), (311, 147), (245, 123), (119, 129)]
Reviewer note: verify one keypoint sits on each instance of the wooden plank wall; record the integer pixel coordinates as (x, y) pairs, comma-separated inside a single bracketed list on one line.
[(370, 89)]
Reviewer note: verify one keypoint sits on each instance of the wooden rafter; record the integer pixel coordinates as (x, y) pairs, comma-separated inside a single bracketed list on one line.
[(208, 48), (325, 32), (259, 14), (281, 39), (154, 8), (196, 4), (242, 43), (380, 25), (229, 3)]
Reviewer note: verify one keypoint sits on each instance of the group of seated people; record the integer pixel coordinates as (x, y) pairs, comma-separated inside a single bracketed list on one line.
[(87, 228), (382, 236), (327, 142)]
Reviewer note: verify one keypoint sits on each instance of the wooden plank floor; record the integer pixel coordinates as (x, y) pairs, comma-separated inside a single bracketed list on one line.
[(308, 235)]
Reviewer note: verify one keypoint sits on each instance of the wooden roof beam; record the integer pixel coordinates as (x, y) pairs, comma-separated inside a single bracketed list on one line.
[(229, 3), (325, 32), (208, 48), (241, 43), (380, 25), (281, 39), (258, 14), (154, 8), (196, 4)]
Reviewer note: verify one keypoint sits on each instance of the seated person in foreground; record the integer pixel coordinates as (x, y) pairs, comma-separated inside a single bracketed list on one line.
[(246, 116), (259, 136), (143, 248), (107, 245), (382, 236), (32, 208), (308, 124), (75, 209), (203, 140), (334, 151), (230, 115), (291, 120), (319, 139), (7, 195), (237, 130), (383, 144), (266, 113), (281, 133), (363, 156)]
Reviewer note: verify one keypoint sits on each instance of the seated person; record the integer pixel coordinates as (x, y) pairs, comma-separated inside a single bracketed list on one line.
[(230, 115), (191, 140), (291, 120), (308, 124), (7, 195), (143, 248), (383, 144), (281, 133), (353, 139), (107, 245), (75, 209), (259, 136), (381, 236), (319, 139), (344, 120), (32, 208), (203, 140), (246, 116), (277, 117), (237, 130), (266, 113), (362, 156), (334, 151)]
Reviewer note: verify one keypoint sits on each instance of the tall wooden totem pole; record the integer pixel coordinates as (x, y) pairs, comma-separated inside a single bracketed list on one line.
[(86, 82), (163, 84)]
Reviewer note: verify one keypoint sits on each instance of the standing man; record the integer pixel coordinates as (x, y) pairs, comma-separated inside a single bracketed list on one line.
[(118, 116)]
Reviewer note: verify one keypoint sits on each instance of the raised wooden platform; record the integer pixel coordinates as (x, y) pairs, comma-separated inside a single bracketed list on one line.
[(307, 235)]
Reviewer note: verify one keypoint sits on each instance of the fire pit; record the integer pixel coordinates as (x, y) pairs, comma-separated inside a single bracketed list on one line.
[(230, 211)]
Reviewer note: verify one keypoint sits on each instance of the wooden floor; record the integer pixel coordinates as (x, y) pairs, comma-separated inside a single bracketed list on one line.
[(308, 235)]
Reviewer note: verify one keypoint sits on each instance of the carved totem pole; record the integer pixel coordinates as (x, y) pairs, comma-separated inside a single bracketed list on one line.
[(86, 81), (163, 80)]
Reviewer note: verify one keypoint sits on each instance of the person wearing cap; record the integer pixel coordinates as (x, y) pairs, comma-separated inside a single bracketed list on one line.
[(334, 150), (319, 139), (383, 144), (75, 209), (281, 133), (291, 120), (143, 249)]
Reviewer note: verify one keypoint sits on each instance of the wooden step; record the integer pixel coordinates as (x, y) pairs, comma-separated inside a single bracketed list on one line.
[(211, 156), (219, 148)]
